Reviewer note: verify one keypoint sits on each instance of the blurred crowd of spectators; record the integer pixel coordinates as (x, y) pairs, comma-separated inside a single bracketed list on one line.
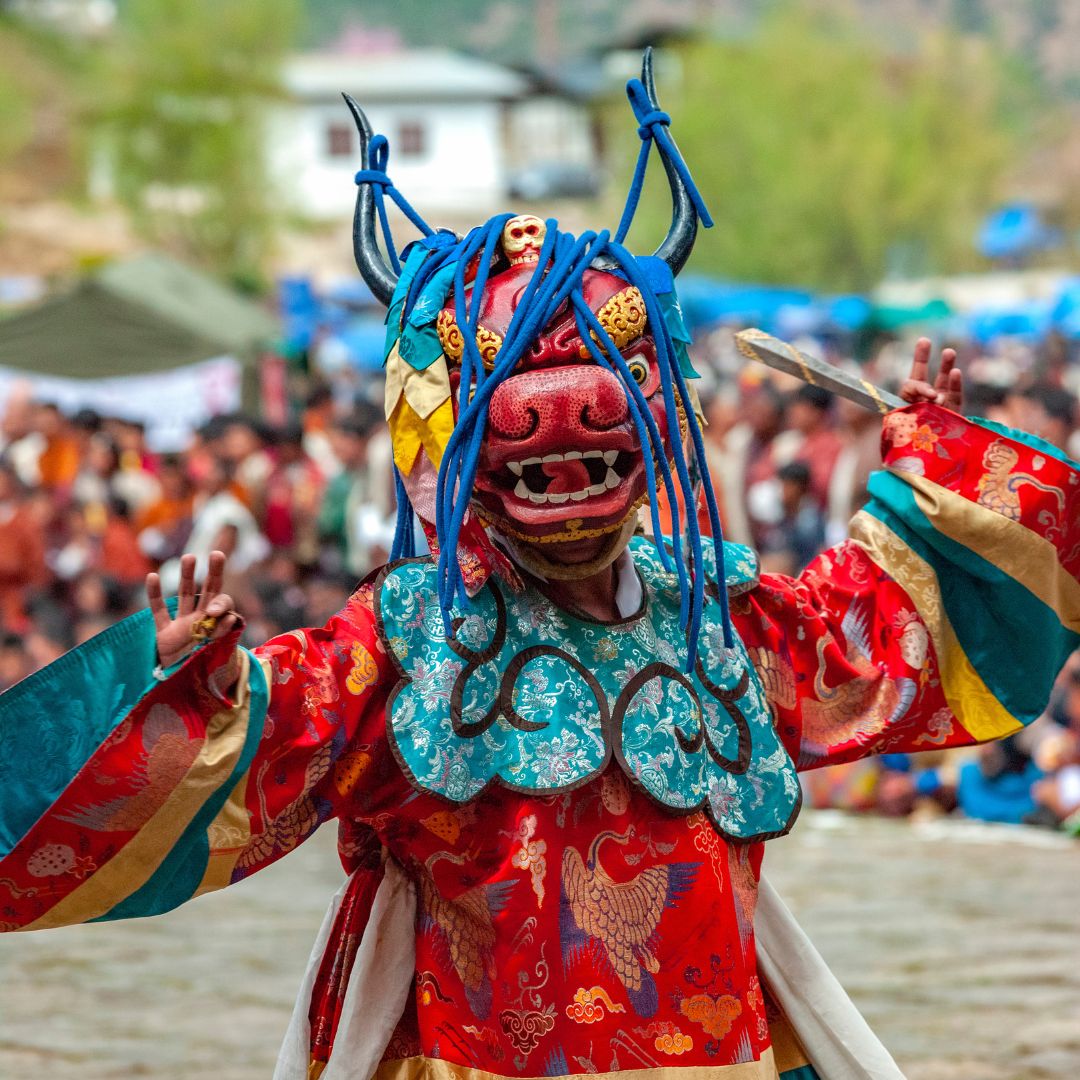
[(791, 462), (791, 466), (306, 510)]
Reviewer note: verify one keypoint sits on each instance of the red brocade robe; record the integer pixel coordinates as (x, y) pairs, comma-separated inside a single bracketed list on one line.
[(587, 930)]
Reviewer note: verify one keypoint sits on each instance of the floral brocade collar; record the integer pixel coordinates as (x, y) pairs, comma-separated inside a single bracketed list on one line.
[(530, 697)]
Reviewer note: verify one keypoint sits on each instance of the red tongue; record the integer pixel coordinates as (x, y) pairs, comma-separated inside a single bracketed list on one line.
[(566, 476)]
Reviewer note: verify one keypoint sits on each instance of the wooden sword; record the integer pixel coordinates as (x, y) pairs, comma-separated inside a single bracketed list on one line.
[(758, 345)]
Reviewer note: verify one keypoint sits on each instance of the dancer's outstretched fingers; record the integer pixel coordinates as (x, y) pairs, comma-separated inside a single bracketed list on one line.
[(214, 575), (954, 395), (920, 364), (225, 625), (916, 388), (941, 383), (186, 601), (220, 605), (162, 618)]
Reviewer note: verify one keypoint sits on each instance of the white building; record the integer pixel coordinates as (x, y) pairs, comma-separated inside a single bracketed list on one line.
[(458, 129), (78, 18)]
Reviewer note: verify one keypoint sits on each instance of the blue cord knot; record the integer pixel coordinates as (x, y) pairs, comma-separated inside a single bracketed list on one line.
[(378, 158), (378, 153), (641, 103), (653, 127), (373, 176), (656, 118)]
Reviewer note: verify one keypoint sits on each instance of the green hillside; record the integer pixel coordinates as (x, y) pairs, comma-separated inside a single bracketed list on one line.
[(1045, 33)]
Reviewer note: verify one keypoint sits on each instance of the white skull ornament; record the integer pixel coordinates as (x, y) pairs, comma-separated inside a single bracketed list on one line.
[(522, 238)]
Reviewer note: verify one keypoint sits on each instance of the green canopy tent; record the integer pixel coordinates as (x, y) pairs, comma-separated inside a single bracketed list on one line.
[(895, 317), (139, 317)]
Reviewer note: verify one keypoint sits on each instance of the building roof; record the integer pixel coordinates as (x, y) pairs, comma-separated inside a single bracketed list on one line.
[(408, 75), (139, 315)]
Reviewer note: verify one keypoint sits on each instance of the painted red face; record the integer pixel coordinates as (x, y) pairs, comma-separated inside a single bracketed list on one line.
[(561, 458)]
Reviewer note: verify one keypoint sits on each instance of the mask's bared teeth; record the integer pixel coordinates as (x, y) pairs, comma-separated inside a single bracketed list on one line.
[(515, 467), (613, 479), (610, 456)]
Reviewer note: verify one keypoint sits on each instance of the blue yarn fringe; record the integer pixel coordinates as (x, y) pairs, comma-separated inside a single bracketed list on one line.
[(556, 280)]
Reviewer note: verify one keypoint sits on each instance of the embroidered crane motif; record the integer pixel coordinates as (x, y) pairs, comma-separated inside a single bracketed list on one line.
[(168, 752), (619, 920), (467, 929), (860, 707), (999, 486)]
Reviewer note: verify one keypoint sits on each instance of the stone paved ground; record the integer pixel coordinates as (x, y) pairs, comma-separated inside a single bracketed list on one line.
[(961, 944)]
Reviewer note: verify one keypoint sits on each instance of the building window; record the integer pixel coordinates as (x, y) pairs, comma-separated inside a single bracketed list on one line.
[(410, 139), (339, 140)]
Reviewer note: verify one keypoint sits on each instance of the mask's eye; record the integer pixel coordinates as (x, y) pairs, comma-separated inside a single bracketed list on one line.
[(639, 368)]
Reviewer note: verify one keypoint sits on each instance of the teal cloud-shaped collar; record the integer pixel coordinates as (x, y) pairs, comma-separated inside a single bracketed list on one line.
[(538, 700)]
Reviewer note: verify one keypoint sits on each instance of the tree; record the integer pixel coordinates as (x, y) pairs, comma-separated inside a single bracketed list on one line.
[(39, 77), (16, 106), (189, 83), (820, 152)]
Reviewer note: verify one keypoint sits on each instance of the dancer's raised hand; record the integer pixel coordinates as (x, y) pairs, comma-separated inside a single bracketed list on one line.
[(197, 620), (947, 389)]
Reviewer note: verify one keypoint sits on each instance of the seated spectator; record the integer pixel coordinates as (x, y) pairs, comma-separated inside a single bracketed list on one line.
[(745, 465), (242, 445), (130, 437), (21, 444), (59, 462), (998, 785), (1058, 755), (810, 415), (860, 433), (164, 525), (103, 476), (293, 494), (22, 551), (317, 421), (1053, 414), (280, 591), (46, 644), (74, 553), (348, 506), (220, 522), (119, 554), (799, 535), (15, 662)]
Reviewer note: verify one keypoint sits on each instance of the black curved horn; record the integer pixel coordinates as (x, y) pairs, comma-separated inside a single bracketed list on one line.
[(679, 243), (374, 269)]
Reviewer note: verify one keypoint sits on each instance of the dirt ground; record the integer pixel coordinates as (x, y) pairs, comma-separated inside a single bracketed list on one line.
[(960, 943)]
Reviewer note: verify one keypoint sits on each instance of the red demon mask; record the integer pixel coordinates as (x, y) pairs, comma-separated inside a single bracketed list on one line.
[(562, 456), (561, 459)]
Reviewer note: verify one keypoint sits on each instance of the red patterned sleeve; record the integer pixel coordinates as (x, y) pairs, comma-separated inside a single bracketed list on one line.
[(945, 618), (324, 747), (127, 795)]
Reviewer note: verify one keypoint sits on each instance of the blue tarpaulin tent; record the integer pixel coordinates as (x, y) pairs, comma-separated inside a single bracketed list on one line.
[(1015, 232)]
